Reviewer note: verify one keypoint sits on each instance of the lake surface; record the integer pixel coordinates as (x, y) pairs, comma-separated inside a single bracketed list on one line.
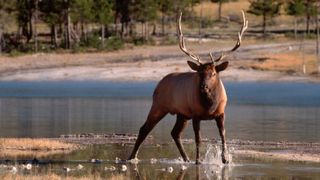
[(255, 111)]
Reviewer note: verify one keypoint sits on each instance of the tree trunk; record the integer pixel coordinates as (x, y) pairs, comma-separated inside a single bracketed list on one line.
[(308, 24), (116, 23), (154, 29), (29, 33), (295, 27), (35, 27), (318, 38), (220, 11), (102, 35), (146, 31), (200, 22), (142, 29), (122, 30), (162, 24), (84, 34), (302, 51), (55, 36), (68, 32), (264, 24), (1, 39)]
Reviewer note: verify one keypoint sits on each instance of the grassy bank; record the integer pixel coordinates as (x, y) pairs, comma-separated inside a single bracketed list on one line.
[(16, 147)]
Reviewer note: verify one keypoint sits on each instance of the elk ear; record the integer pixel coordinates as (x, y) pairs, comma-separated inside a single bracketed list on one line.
[(193, 65), (222, 66)]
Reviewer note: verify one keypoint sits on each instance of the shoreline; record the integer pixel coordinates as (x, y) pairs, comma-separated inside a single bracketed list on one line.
[(123, 73), (262, 63), (258, 150)]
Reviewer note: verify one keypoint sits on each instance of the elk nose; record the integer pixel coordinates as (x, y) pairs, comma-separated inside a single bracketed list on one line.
[(205, 87)]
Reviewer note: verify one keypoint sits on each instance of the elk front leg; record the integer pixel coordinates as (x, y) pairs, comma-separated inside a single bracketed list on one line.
[(154, 117), (176, 132), (196, 129), (222, 132)]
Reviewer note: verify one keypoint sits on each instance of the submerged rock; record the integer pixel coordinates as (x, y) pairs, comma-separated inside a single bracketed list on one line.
[(169, 169), (123, 168), (153, 160), (27, 167), (66, 169), (13, 170), (79, 167), (183, 167), (111, 168)]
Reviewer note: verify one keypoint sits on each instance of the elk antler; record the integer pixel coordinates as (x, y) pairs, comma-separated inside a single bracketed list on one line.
[(225, 53), (182, 43)]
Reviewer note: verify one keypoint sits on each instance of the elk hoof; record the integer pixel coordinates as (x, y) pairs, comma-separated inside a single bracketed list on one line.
[(198, 162), (224, 160), (187, 160)]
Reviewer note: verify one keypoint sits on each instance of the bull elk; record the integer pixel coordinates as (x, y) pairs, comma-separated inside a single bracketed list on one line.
[(196, 95)]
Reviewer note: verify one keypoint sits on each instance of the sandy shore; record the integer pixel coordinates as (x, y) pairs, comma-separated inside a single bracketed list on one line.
[(267, 62)]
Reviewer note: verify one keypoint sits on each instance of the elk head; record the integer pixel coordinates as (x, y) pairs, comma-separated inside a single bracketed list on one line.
[(209, 72)]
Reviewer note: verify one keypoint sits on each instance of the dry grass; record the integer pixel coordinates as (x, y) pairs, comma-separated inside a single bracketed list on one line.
[(36, 147), (287, 62), (297, 157), (210, 9), (53, 176)]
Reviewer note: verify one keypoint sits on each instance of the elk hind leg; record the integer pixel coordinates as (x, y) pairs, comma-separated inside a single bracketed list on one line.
[(154, 116), (176, 132)]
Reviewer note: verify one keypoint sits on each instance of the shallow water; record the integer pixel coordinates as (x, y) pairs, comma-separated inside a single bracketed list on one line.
[(156, 161), (256, 111)]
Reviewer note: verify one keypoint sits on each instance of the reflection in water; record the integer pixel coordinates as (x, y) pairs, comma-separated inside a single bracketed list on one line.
[(256, 111), (239, 169)]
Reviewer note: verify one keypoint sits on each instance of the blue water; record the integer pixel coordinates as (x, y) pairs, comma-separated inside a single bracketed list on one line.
[(250, 93), (255, 111)]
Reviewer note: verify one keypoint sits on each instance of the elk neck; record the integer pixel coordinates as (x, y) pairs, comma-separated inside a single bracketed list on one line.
[(209, 91)]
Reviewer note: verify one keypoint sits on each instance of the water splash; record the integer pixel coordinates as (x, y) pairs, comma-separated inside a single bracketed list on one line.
[(213, 166), (213, 155), (174, 161)]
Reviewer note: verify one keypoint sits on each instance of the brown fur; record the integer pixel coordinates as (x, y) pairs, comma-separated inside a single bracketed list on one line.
[(190, 95), (196, 95)]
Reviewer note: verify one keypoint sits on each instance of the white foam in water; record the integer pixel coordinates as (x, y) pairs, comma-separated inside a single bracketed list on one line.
[(174, 161), (213, 156), (213, 166)]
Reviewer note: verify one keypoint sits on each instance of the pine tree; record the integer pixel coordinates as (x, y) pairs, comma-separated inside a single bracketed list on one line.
[(310, 11), (103, 15), (266, 9), (220, 2), (144, 11), (81, 13), (166, 9), (6, 11), (122, 12), (25, 10), (51, 11), (297, 9)]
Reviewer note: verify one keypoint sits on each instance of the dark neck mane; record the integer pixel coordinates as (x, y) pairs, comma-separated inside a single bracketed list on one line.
[(207, 95)]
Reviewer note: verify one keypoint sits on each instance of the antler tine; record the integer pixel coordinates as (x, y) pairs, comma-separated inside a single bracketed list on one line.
[(218, 59), (238, 43), (182, 42)]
